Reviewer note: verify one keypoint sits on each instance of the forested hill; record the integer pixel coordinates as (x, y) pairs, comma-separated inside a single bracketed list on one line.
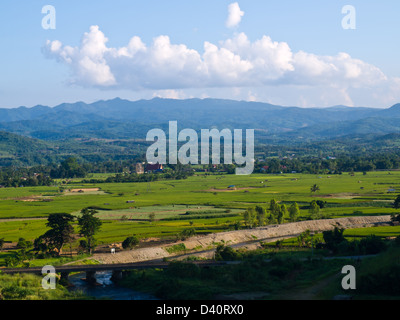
[(12, 144), (16, 150), (123, 119), (116, 130)]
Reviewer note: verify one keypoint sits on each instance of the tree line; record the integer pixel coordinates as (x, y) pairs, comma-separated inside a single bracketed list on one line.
[(316, 165), (125, 170), (277, 213), (71, 168)]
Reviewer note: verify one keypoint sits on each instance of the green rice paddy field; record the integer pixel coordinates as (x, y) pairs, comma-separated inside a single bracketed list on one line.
[(202, 202)]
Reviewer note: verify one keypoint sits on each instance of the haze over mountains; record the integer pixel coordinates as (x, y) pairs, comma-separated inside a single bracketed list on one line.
[(123, 119)]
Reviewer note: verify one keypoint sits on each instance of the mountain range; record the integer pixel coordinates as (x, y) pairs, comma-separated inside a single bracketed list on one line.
[(123, 119)]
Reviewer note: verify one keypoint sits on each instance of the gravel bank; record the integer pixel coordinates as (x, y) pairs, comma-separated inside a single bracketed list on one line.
[(241, 238)]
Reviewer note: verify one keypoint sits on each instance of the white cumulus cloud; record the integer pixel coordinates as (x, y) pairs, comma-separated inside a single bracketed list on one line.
[(88, 63), (235, 15), (234, 63)]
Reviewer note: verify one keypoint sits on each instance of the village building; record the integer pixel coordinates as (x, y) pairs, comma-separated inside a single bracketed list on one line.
[(152, 168)]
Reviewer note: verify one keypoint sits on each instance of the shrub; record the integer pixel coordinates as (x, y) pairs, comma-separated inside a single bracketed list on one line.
[(187, 233), (372, 245), (24, 244), (130, 242), (333, 238), (176, 248), (224, 253), (11, 262), (183, 270), (395, 217), (321, 203), (15, 293)]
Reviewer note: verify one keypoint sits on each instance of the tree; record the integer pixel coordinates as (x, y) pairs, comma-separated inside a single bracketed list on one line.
[(83, 246), (333, 238), (314, 209), (237, 225), (69, 168), (314, 188), (294, 212), (60, 233), (130, 242), (274, 207), (40, 245), (2, 241), (89, 226), (321, 203), (282, 213), (152, 217), (260, 211), (249, 217), (396, 204)]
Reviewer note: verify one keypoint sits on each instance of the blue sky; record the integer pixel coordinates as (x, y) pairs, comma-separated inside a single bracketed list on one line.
[(284, 52)]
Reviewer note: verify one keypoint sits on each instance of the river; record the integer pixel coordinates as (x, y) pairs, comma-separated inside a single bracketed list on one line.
[(106, 289)]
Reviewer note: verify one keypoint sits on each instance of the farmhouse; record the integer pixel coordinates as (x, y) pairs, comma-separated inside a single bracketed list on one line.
[(154, 168)]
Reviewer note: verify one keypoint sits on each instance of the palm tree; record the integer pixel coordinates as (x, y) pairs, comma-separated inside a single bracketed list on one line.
[(314, 188)]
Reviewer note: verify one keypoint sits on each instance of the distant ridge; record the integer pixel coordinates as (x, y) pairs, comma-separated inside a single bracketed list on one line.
[(119, 118)]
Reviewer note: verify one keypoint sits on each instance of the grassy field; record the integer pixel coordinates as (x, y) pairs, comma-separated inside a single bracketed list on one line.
[(203, 202), (186, 212), (207, 190)]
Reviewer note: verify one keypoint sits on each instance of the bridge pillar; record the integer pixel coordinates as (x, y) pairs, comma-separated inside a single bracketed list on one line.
[(90, 277), (116, 275)]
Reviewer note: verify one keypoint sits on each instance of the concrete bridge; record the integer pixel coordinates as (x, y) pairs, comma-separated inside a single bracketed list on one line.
[(117, 269)]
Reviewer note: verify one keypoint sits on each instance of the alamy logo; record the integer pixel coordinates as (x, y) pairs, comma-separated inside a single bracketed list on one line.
[(349, 281), (189, 152), (349, 20), (49, 280), (49, 20)]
